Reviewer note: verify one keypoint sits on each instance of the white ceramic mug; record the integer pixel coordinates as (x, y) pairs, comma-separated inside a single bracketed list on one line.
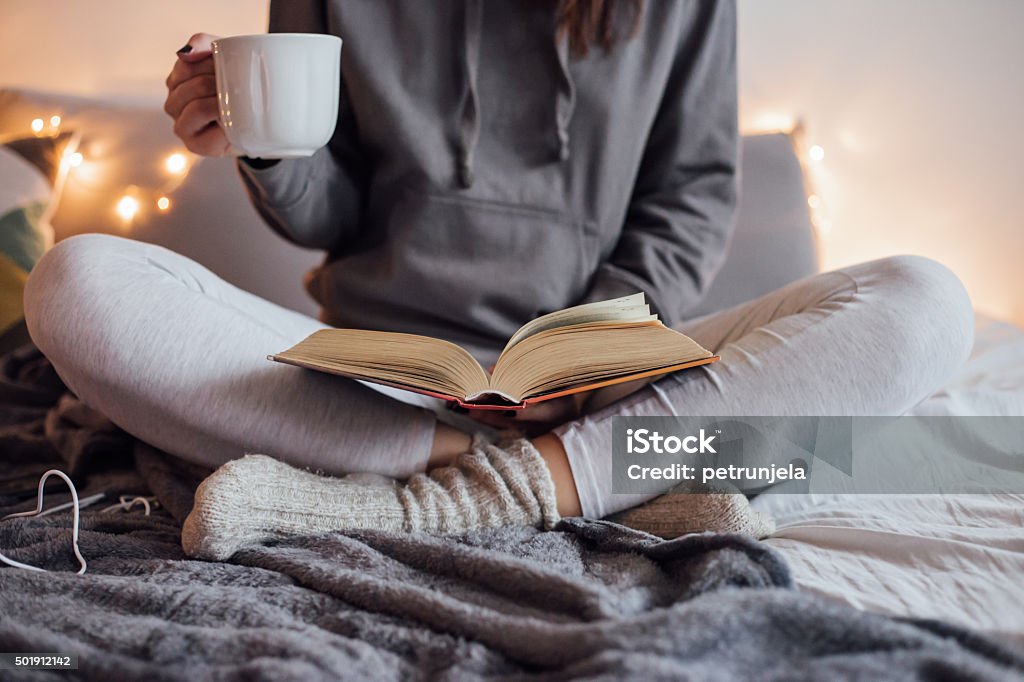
[(278, 92)]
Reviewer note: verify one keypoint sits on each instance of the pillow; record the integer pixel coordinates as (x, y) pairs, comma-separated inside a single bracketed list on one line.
[(30, 178), (125, 146), (774, 241)]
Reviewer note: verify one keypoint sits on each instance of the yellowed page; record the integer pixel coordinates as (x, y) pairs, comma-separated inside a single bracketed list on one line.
[(588, 353), (627, 308), (407, 359)]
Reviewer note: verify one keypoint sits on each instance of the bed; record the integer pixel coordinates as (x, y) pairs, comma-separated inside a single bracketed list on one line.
[(908, 588), (858, 587), (848, 587), (957, 558)]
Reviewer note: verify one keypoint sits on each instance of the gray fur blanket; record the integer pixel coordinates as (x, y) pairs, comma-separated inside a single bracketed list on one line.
[(589, 600)]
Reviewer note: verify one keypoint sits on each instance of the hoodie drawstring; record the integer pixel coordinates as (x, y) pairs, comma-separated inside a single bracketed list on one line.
[(565, 99), (469, 121), (469, 117)]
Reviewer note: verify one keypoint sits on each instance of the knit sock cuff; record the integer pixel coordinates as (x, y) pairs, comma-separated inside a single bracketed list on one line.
[(527, 475)]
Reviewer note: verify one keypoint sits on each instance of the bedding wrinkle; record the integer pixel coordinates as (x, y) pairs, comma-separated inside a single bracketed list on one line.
[(953, 558)]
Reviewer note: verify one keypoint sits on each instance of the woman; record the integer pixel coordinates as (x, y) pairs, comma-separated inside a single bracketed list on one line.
[(492, 161)]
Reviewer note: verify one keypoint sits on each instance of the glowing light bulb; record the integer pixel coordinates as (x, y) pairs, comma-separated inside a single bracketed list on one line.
[(75, 160), (37, 125), (127, 207), (816, 153), (176, 163), (163, 203), (772, 121), (55, 121)]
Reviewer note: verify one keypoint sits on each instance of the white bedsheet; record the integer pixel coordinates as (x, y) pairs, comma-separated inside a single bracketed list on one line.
[(958, 558)]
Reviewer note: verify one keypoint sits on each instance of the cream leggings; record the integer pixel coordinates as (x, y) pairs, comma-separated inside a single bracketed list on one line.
[(177, 357)]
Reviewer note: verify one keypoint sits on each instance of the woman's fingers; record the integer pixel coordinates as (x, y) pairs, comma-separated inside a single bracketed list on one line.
[(183, 71), (192, 98), (197, 127), (195, 116), (536, 418), (557, 411), (190, 65), (198, 87), (494, 419), (210, 142), (197, 48)]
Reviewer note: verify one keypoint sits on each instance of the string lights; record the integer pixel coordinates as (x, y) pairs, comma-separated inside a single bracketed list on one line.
[(127, 207), (176, 163), (817, 178), (764, 122), (133, 200)]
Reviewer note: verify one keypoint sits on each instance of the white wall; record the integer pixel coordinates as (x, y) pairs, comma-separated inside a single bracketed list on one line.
[(919, 106), (110, 46), (917, 103)]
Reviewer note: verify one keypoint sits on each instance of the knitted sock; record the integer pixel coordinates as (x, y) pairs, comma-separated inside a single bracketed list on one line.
[(250, 500), (679, 513)]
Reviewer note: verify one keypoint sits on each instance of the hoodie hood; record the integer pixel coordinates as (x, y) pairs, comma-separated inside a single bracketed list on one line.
[(469, 113)]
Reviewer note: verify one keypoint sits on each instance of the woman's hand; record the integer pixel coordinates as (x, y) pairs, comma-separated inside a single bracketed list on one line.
[(535, 419), (192, 98), (540, 418)]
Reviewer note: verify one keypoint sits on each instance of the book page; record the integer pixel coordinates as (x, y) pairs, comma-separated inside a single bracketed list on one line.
[(395, 359), (625, 309), (586, 344), (590, 353)]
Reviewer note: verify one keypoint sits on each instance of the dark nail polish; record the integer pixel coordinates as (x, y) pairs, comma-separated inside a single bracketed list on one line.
[(185, 50)]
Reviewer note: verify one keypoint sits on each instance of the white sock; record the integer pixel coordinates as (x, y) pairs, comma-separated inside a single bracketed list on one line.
[(257, 498)]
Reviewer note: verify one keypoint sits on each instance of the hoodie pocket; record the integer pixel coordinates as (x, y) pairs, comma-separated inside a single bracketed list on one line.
[(480, 266)]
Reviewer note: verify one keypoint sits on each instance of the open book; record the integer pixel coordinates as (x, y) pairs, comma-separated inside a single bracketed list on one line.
[(564, 352)]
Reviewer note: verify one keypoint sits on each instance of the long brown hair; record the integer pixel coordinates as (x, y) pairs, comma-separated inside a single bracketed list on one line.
[(597, 22)]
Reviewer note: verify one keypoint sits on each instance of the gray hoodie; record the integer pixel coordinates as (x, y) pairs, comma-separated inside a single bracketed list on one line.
[(480, 175)]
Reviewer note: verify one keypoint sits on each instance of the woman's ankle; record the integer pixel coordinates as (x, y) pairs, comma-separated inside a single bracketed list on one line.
[(449, 443), (554, 455)]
